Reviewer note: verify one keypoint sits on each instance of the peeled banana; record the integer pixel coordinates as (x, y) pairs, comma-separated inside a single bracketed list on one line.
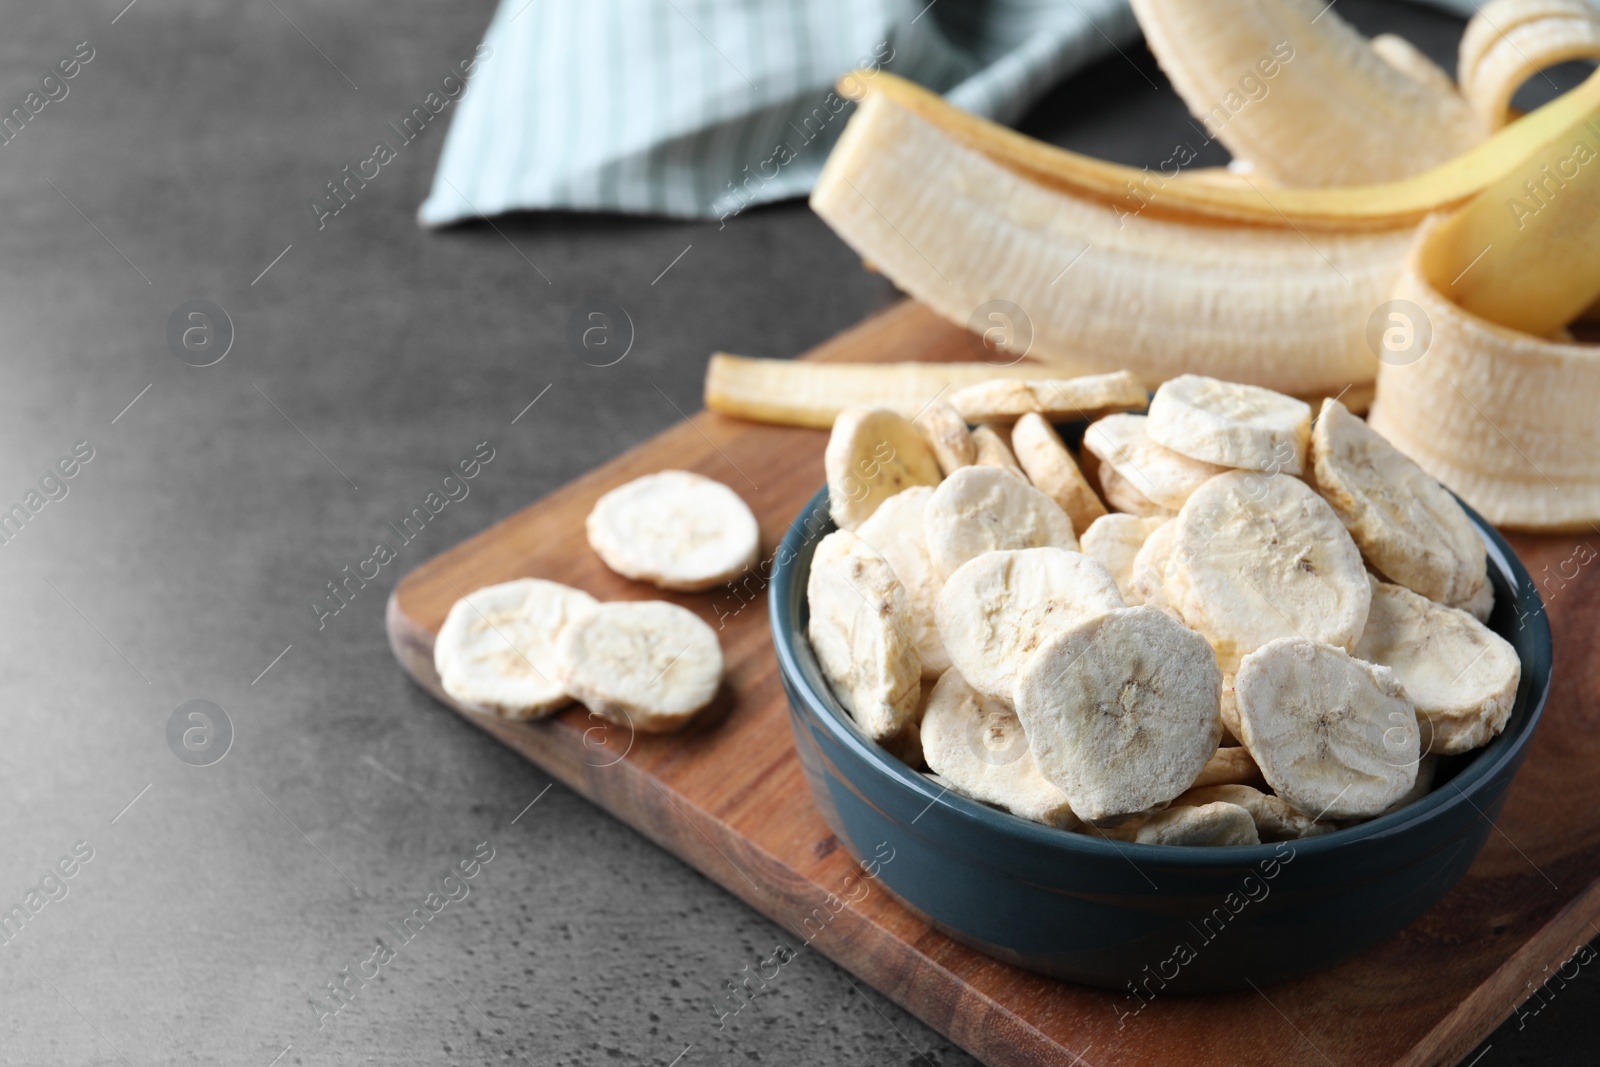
[(1104, 288), (1291, 88)]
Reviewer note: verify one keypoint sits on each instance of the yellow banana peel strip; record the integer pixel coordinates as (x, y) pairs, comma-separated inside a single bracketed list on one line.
[(812, 394), (1155, 191), (1525, 254)]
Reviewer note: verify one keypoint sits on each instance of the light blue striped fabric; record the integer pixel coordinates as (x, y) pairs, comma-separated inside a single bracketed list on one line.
[(702, 108)]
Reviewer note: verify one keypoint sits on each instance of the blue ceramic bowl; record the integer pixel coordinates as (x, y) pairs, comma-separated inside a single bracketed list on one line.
[(1147, 918)]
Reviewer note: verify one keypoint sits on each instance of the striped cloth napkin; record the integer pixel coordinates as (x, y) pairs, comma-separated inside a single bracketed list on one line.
[(703, 108)]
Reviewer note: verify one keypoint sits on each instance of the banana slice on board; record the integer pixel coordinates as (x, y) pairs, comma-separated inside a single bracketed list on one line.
[(1166, 478), (649, 665), (1115, 540), (873, 454), (948, 436), (1231, 425), (861, 630), (1407, 525), (676, 530), (992, 451), (982, 509), (1057, 399), (499, 648), (1121, 712), (896, 532), (1334, 736), (1461, 675), (1275, 820), (1044, 458), (997, 608), (978, 747), (1256, 558)]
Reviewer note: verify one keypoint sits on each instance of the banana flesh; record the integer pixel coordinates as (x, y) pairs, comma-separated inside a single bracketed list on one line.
[(1503, 418), (1405, 57), (1509, 41), (1290, 87)]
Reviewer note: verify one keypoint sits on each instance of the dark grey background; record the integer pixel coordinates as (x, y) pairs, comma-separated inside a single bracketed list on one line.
[(189, 550)]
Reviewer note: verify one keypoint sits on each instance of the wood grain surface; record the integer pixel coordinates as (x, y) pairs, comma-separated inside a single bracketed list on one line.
[(728, 796)]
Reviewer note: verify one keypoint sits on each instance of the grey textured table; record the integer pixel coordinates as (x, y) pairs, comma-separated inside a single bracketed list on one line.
[(183, 563)]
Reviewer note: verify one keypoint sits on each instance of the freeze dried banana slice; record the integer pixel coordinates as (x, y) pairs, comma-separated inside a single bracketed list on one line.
[(1335, 737), (1215, 824), (1147, 581), (983, 509), (1481, 606), (1407, 524), (1051, 468), (1057, 399), (873, 454), (861, 630), (499, 648), (1124, 496), (1256, 558), (1427, 771), (1229, 766), (1162, 476), (992, 451), (1230, 708), (1115, 541), (997, 608), (906, 746), (947, 434), (1231, 425), (1121, 712), (977, 745), (676, 530), (896, 532), (648, 664), (1275, 820), (1461, 675)]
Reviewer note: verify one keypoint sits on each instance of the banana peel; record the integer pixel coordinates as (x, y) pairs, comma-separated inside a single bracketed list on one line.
[(1142, 191), (1505, 418)]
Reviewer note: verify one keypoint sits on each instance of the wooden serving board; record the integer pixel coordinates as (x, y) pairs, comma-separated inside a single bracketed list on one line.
[(728, 796)]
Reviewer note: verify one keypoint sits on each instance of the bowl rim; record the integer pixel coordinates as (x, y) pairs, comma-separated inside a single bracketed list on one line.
[(1506, 748)]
